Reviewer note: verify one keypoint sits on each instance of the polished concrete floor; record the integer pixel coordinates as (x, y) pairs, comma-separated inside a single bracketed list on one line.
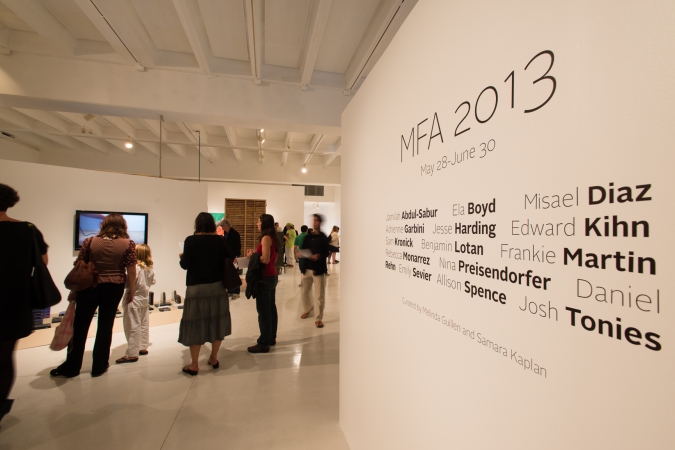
[(286, 399)]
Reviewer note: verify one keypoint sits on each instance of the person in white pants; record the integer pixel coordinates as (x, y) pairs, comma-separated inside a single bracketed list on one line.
[(136, 315)]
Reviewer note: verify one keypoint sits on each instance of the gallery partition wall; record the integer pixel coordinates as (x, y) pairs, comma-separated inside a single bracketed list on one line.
[(507, 275), (243, 214)]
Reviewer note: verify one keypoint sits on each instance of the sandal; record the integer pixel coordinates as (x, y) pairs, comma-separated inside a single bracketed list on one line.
[(216, 365), (305, 315), (187, 370), (319, 324), (143, 352), (125, 359)]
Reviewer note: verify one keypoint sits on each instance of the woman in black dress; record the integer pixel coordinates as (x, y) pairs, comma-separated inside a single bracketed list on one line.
[(16, 263), (206, 315)]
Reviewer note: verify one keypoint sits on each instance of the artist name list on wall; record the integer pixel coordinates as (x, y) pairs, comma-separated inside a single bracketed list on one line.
[(480, 252)]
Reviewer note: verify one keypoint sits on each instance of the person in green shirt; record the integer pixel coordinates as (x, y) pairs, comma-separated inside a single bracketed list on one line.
[(291, 234), (298, 245)]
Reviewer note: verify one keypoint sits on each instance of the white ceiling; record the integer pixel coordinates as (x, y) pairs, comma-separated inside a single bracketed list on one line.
[(315, 45)]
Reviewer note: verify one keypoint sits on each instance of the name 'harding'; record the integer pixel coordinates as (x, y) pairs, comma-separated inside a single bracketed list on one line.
[(476, 228)]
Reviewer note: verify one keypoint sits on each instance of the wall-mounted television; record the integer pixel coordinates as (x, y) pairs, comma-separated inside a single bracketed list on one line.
[(88, 224)]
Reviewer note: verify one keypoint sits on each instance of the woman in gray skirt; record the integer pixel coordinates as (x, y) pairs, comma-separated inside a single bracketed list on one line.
[(206, 315)]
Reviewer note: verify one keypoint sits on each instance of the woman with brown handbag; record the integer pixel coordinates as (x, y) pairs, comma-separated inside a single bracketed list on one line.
[(16, 319), (114, 258)]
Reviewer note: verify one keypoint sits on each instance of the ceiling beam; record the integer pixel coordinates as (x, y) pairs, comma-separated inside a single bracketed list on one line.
[(96, 130), (237, 154), (206, 139), (93, 14), (98, 144), (189, 15), (314, 44), (27, 123), (232, 137), (129, 130), (40, 19), (254, 32), (121, 19), (338, 149), (4, 39), (80, 120), (154, 127), (383, 16), (46, 118), (314, 144), (191, 134)]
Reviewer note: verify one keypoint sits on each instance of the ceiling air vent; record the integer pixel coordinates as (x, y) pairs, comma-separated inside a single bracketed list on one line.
[(312, 191)]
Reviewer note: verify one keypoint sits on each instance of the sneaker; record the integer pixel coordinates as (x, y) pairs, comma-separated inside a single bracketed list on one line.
[(234, 296), (258, 348)]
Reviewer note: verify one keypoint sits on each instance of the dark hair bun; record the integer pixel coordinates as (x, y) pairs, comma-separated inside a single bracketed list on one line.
[(8, 197)]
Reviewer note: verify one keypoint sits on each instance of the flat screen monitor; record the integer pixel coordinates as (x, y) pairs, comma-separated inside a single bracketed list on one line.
[(88, 224)]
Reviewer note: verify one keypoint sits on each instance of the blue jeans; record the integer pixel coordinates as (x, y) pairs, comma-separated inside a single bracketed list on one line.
[(266, 305)]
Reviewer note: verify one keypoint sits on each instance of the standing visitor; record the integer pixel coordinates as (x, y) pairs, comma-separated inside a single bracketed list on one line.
[(16, 264), (334, 245), (315, 272), (135, 307), (291, 234), (265, 301), (234, 242), (206, 314), (114, 257), (297, 246)]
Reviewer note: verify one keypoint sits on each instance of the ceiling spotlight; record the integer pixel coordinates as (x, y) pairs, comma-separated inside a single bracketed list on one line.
[(304, 170), (263, 141), (262, 130), (128, 144)]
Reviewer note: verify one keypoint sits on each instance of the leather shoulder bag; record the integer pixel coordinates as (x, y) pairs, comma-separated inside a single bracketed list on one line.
[(43, 291), (83, 276)]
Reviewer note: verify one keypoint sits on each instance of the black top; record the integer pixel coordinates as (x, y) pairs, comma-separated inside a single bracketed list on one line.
[(204, 258), (16, 264), (317, 243), (234, 241)]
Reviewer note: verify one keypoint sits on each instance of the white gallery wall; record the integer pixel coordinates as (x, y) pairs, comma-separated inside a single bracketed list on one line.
[(51, 195), (513, 162)]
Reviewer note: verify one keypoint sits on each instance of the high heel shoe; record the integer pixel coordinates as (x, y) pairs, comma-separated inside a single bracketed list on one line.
[(216, 365)]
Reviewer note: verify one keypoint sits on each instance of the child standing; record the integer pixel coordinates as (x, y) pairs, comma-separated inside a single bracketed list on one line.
[(136, 327)]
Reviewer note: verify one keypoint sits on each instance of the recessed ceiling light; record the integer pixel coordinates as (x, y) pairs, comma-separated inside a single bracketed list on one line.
[(128, 144), (304, 170), (262, 130), (263, 141)]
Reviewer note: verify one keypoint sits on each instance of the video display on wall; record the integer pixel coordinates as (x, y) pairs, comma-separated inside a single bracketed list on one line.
[(88, 224)]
